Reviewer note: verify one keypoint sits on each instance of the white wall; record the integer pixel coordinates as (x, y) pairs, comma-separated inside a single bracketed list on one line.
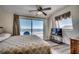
[(75, 20), (6, 21)]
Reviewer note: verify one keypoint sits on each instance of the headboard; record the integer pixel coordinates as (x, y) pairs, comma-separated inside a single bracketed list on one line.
[(1, 30), (1, 27)]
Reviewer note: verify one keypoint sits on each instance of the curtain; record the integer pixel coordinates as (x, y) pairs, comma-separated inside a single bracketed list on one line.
[(16, 30), (46, 30), (63, 16)]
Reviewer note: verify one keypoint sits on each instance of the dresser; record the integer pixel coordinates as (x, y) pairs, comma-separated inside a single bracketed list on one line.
[(74, 45)]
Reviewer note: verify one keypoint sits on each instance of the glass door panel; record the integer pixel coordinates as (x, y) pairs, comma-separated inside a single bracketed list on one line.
[(25, 26), (37, 28)]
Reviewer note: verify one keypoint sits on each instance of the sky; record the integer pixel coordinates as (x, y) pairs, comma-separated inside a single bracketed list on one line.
[(26, 24), (66, 22)]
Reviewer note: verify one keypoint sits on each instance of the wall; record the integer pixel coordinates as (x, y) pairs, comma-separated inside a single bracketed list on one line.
[(6, 21), (47, 28), (75, 20)]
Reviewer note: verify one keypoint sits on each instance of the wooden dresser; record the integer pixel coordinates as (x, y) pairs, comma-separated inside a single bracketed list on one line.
[(74, 46)]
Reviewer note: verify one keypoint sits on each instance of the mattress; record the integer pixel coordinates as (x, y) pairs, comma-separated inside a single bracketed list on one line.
[(31, 44)]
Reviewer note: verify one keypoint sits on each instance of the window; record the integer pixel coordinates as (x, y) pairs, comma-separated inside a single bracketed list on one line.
[(25, 25), (65, 23), (38, 28), (32, 26)]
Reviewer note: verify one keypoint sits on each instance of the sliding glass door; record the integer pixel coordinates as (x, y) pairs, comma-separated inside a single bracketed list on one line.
[(37, 28), (25, 26), (31, 27)]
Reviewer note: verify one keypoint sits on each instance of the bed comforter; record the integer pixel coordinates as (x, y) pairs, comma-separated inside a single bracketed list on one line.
[(24, 45)]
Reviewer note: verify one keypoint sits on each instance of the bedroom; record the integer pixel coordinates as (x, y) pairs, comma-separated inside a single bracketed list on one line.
[(9, 13)]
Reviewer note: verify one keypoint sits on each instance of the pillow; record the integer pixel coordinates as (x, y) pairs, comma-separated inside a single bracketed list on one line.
[(1, 30), (4, 36)]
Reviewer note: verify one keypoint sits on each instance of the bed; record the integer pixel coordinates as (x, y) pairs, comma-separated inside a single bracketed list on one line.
[(30, 44)]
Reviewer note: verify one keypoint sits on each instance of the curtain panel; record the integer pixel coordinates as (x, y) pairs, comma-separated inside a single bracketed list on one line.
[(16, 29), (63, 16)]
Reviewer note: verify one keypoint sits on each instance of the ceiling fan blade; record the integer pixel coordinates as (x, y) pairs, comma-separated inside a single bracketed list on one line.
[(32, 10), (44, 13), (46, 8)]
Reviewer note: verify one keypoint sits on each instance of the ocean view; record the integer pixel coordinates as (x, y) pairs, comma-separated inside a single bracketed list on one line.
[(38, 32), (34, 27)]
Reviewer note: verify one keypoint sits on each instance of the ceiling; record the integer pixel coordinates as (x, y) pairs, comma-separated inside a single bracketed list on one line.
[(24, 9)]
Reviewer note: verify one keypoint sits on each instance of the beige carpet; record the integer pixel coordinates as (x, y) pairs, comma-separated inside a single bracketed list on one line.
[(52, 44)]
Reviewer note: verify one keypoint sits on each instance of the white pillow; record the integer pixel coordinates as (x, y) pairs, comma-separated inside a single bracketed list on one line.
[(1, 30), (4, 36)]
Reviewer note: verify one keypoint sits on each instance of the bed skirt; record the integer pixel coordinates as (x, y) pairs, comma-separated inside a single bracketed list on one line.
[(30, 50)]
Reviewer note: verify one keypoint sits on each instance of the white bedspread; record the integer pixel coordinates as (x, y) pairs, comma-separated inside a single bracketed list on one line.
[(22, 41)]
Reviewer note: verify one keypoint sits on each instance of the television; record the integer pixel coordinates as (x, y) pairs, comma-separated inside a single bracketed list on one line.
[(56, 31)]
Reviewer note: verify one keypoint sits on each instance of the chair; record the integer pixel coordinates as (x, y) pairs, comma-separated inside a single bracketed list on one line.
[(26, 33)]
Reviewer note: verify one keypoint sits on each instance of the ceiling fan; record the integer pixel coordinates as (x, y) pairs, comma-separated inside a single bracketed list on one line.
[(40, 9)]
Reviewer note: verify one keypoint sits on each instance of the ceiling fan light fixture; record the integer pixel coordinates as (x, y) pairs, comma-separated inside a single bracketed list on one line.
[(39, 13)]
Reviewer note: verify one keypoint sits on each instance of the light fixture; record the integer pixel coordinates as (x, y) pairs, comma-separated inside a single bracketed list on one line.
[(39, 13)]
